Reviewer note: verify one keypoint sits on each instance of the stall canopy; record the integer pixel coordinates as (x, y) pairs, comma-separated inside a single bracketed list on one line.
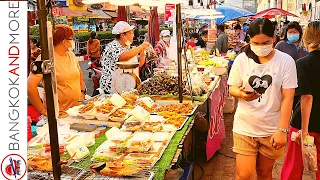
[(153, 27), (122, 14), (230, 13), (271, 13)]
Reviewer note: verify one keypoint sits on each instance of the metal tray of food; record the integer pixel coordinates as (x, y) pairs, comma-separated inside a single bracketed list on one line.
[(67, 173), (174, 103)]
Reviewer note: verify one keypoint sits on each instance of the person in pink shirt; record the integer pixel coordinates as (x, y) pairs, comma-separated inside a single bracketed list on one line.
[(240, 38)]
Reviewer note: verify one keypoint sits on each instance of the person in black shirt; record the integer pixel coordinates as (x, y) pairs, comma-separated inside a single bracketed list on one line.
[(306, 116), (202, 42)]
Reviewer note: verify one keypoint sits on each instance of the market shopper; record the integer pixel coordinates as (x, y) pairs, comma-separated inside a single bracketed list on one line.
[(93, 47), (239, 38), (202, 42), (69, 78), (35, 51), (222, 40), (307, 113), (292, 41), (264, 80), (194, 37), (119, 50), (163, 47)]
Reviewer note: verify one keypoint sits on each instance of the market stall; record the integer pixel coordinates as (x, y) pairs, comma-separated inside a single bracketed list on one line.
[(136, 133)]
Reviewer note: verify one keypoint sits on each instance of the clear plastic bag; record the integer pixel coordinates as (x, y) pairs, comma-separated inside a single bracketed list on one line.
[(309, 155)]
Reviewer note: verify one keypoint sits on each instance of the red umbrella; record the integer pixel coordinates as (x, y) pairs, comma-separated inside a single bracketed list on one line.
[(153, 27), (272, 12), (122, 14)]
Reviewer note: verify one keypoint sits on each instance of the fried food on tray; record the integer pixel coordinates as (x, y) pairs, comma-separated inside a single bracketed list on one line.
[(107, 102), (86, 108), (184, 108), (105, 108), (128, 106), (129, 98), (40, 163), (173, 118), (118, 114), (150, 110), (118, 171)]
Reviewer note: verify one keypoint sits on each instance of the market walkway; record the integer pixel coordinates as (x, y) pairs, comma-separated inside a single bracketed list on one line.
[(222, 165)]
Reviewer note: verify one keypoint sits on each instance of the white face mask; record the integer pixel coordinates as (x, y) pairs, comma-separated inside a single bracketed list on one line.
[(72, 46), (128, 43), (261, 51), (166, 39), (195, 41)]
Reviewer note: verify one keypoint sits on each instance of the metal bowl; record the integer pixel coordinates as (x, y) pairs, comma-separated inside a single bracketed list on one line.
[(128, 65)]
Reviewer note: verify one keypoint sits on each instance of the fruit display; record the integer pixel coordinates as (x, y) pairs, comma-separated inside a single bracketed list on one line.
[(184, 108), (161, 84)]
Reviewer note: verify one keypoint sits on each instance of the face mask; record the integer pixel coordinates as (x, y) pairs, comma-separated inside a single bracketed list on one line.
[(166, 39), (195, 41), (261, 51), (72, 46), (293, 37), (128, 43)]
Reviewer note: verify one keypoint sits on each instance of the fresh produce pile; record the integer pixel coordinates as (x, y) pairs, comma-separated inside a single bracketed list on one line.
[(162, 84)]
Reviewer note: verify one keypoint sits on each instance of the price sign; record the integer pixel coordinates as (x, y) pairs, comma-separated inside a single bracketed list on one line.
[(57, 11)]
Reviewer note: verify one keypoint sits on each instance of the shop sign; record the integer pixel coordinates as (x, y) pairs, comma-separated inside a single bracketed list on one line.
[(57, 11), (212, 35), (169, 11)]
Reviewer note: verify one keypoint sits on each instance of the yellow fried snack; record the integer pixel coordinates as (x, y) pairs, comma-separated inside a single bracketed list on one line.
[(184, 108), (86, 108)]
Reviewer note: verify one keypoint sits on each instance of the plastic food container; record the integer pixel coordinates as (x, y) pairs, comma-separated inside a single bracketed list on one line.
[(139, 158), (102, 129), (132, 125), (120, 137), (97, 133), (107, 156), (160, 136), (152, 126), (156, 148)]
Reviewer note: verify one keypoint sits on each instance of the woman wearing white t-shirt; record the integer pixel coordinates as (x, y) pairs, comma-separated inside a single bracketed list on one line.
[(264, 80)]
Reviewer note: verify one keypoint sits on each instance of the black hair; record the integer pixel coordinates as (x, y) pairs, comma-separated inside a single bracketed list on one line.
[(220, 27), (258, 26), (119, 35), (237, 27), (286, 22), (93, 35), (194, 35), (245, 24), (204, 33), (275, 23), (293, 25), (34, 41)]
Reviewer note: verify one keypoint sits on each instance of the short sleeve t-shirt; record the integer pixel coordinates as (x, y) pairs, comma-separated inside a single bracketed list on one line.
[(260, 117), (308, 69), (109, 61)]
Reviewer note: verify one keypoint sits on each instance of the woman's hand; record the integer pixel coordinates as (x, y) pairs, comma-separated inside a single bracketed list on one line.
[(278, 139), (248, 96), (145, 45)]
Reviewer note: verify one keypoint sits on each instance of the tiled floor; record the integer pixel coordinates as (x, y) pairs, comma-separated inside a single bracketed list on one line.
[(221, 167)]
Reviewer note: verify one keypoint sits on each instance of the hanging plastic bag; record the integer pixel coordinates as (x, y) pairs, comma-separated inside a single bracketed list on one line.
[(309, 153)]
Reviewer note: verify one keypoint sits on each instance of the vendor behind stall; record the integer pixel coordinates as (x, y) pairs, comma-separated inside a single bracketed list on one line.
[(118, 51), (162, 47), (70, 84)]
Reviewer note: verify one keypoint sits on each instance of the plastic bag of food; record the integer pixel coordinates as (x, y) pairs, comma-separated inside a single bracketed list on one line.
[(309, 154)]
